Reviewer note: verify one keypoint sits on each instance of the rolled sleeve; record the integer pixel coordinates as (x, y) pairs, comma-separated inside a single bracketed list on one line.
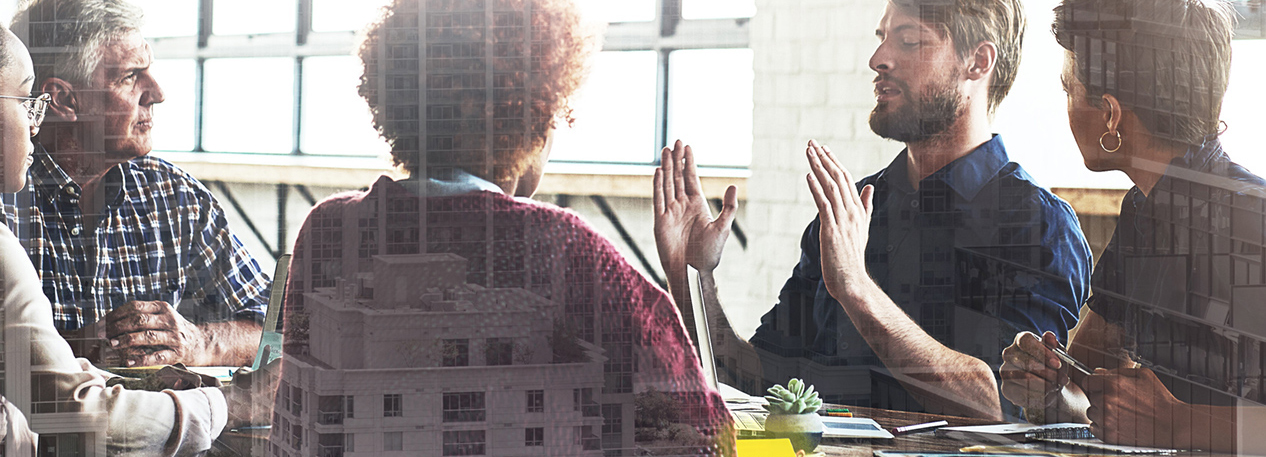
[(226, 275), (1058, 288)]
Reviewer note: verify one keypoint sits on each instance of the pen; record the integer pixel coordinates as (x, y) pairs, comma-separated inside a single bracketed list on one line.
[(919, 427), (1071, 361)]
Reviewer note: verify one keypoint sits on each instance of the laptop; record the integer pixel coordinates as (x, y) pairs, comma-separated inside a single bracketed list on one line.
[(748, 412), (270, 339)]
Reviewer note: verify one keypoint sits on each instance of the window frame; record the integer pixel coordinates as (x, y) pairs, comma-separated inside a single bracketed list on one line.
[(464, 442), (535, 400), (392, 405), (393, 437), (666, 33), (459, 407), (533, 436), (1252, 24), (454, 352)]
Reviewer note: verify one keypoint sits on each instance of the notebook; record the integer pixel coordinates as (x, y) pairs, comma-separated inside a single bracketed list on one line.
[(1055, 437), (1014, 433)]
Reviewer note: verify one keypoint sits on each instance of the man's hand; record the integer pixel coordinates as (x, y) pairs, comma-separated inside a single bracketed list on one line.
[(1032, 376), (844, 214), (685, 232), (1131, 406), (251, 394), (153, 333)]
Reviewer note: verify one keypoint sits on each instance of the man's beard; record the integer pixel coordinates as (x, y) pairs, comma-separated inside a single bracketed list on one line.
[(936, 110)]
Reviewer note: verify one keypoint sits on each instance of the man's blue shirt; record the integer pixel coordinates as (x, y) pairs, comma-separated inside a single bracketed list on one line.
[(978, 253)]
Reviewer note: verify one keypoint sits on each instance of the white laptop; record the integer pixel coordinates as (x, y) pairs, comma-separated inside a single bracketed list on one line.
[(747, 411)]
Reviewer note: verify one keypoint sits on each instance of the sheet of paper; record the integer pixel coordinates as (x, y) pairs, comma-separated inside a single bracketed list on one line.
[(766, 448)]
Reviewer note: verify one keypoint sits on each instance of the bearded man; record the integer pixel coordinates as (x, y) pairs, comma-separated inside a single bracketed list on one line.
[(911, 283)]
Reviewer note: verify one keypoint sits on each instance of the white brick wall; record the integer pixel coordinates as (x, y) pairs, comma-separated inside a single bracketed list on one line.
[(812, 82)]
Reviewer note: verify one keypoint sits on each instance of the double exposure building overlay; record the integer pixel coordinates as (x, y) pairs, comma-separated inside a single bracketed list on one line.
[(437, 325)]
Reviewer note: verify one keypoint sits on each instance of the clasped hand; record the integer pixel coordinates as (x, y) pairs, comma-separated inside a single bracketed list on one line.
[(1131, 406), (152, 333)]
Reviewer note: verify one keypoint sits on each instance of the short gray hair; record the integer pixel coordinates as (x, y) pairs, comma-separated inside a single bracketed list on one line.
[(65, 36)]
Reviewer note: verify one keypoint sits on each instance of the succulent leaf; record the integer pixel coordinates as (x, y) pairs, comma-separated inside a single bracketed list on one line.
[(797, 398)]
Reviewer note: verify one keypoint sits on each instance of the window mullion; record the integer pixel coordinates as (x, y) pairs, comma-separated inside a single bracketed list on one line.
[(198, 80), (661, 102), (303, 26), (296, 128), (205, 10), (669, 17)]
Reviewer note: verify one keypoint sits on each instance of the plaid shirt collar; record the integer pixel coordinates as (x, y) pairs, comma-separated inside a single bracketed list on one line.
[(51, 179), (48, 176)]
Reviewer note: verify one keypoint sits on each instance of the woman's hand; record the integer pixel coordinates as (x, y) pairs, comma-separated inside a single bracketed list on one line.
[(685, 231)]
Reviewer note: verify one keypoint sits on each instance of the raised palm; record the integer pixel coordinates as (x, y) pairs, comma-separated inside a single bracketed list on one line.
[(685, 231)]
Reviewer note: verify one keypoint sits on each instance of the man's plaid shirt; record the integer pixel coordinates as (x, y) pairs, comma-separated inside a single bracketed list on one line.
[(161, 236)]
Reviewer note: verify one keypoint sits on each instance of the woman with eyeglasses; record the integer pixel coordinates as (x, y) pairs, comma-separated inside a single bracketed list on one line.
[(20, 115), (1174, 330), (126, 422)]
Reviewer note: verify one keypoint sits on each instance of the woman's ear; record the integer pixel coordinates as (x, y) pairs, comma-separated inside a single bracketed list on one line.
[(1111, 112), (64, 101)]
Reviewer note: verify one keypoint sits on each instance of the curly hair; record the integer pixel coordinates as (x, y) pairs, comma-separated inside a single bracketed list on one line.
[(474, 85), (1168, 61)]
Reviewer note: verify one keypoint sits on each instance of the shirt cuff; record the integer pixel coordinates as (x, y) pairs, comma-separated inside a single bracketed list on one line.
[(201, 415), (256, 315)]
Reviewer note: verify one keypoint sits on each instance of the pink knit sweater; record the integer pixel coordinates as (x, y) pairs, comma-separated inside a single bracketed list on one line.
[(515, 243)]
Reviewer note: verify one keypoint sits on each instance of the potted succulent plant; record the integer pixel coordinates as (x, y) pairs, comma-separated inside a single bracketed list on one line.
[(793, 415)]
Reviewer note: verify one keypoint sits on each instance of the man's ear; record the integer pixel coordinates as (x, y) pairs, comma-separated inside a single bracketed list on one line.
[(65, 100), (981, 62)]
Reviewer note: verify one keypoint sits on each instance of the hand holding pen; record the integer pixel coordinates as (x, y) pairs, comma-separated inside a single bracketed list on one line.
[(1036, 370)]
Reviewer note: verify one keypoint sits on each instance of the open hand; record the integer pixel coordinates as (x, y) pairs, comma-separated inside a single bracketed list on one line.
[(685, 231), (844, 214), (1032, 376), (153, 333)]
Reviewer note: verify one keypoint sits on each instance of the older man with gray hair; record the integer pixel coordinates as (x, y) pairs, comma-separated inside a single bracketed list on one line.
[(116, 235)]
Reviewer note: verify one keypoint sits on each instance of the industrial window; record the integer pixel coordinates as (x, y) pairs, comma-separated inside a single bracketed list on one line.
[(668, 69)]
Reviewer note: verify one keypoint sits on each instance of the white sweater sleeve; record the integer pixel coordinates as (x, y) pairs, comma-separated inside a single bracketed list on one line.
[(135, 422)]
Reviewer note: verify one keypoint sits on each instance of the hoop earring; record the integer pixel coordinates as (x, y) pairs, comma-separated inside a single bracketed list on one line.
[(1105, 148)]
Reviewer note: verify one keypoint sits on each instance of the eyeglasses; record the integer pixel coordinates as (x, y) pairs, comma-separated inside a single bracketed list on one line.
[(35, 107)]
